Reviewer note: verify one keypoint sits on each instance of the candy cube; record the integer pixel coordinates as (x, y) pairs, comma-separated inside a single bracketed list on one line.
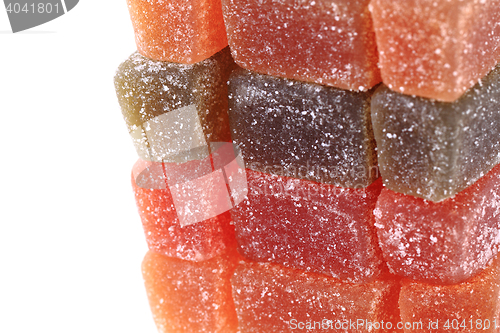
[(434, 150), (187, 297), (315, 227), (183, 31), (320, 41), (471, 306), (173, 108), (271, 298), (165, 232), (303, 130), (436, 49), (445, 242)]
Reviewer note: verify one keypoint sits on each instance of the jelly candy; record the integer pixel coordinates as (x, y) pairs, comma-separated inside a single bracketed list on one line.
[(434, 150), (271, 298), (302, 130), (164, 232), (187, 297), (311, 226), (320, 41), (471, 306), (170, 108), (445, 242), (436, 49), (183, 31)]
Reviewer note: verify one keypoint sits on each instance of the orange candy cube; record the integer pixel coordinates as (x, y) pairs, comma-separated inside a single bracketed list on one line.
[(189, 297), (182, 31), (436, 49), (271, 298), (471, 306)]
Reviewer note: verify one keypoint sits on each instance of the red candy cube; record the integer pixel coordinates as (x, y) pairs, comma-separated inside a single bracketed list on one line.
[(442, 242), (322, 41), (164, 232), (311, 226)]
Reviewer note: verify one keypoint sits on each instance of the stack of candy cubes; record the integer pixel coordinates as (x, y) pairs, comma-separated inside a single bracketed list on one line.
[(318, 166)]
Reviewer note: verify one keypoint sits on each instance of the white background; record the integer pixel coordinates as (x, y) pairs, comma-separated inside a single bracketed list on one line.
[(71, 242)]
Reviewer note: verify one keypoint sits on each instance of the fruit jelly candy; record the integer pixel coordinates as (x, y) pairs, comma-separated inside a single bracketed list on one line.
[(183, 31), (169, 108), (310, 226), (320, 41), (187, 297), (434, 150), (164, 232), (436, 49), (271, 298), (471, 306), (302, 130), (445, 242)]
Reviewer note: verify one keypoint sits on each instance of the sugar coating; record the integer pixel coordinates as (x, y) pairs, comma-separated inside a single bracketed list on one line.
[(302, 130), (147, 90), (320, 41), (445, 242), (433, 150), (310, 226), (271, 298), (182, 31), (471, 306), (436, 49), (187, 297), (165, 235)]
